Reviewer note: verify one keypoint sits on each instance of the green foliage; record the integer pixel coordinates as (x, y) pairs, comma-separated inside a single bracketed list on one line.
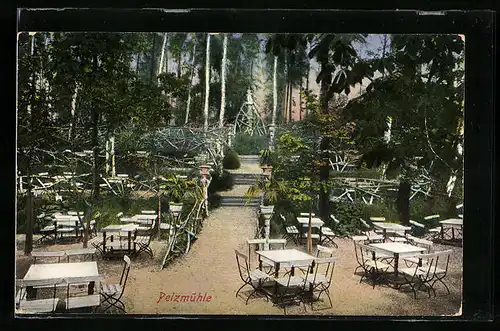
[(266, 157), (221, 182), (231, 160), (245, 144), (214, 200)]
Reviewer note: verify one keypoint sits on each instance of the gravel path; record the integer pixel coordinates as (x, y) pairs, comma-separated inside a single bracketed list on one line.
[(210, 269)]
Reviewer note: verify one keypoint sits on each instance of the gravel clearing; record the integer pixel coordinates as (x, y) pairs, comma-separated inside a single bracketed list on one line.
[(210, 269)]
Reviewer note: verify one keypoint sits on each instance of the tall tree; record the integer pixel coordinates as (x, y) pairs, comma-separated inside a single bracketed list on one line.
[(191, 75), (223, 82), (207, 84)]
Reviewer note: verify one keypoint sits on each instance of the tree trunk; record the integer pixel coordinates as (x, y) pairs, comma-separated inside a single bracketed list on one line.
[(71, 133), (153, 59), (324, 171), (28, 244), (275, 90), (403, 202), (190, 80), (285, 104), (95, 158), (308, 70), (223, 83), (207, 84), (300, 101), (162, 56), (179, 62), (290, 101), (137, 64)]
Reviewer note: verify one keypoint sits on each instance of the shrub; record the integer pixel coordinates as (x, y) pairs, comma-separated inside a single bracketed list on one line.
[(231, 160), (221, 182), (214, 201), (245, 144)]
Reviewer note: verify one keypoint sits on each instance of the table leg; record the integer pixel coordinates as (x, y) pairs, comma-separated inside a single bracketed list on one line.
[(260, 263), (129, 237), (396, 263), (30, 292), (320, 234), (103, 243), (453, 233), (442, 232), (91, 288), (385, 235), (276, 269), (292, 271)]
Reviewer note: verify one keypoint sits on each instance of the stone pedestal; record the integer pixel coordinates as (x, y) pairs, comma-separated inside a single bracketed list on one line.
[(272, 132), (204, 182)]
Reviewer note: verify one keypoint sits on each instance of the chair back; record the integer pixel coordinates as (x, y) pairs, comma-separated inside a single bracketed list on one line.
[(308, 275), (336, 220), (322, 250), (23, 283), (377, 219), (276, 243), (125, 272), (329, 262), (420, 242), (243, 267), (436, 262), (364, 224)]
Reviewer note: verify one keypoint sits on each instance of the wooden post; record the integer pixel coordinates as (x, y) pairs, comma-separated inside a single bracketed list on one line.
[(309, 233), (107, 157), (113, 168)]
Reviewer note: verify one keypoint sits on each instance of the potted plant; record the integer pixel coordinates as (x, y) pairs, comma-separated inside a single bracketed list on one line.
[(265, 157)]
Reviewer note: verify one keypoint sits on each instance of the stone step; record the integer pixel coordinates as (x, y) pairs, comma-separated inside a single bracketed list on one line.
[(239, 201), (255, 159)]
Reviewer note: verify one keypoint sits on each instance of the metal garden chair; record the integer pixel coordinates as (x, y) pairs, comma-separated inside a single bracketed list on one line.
[(427, 274), (321, 280), (292, 289), (254, 278), (112, 293)]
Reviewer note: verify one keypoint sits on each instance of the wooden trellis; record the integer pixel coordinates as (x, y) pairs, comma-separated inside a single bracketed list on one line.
[(248, 119)]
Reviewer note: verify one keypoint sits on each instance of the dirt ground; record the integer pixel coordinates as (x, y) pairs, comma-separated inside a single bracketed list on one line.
[(210, 269)]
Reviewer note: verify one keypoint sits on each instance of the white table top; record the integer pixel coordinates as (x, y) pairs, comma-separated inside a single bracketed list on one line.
[(453, 221), (145, 217), (120, 227), (314, 221), (398, 248), (48, 271), (286, 255), (391, 226)]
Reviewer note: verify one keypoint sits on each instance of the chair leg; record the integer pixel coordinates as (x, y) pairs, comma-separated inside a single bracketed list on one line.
[(237, 292), (441, 281)]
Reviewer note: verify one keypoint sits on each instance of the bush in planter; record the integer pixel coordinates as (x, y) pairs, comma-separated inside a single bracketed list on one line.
[(266, 157), (221, 182), (245, 144), (231, 160)]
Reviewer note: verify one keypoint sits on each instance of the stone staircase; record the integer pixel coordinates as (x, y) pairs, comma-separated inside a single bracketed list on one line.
[(241, 201), (245, 178), (247, 175)]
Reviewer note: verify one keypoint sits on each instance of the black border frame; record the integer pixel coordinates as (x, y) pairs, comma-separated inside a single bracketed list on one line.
[(478, 27)]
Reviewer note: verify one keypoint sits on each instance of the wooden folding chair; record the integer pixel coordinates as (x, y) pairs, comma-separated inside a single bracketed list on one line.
[(254, 278), (112, 293)]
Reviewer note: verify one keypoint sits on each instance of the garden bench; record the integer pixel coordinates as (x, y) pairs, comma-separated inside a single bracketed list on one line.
[(82, 301), (57, 254), (24, 305), (82, 252)]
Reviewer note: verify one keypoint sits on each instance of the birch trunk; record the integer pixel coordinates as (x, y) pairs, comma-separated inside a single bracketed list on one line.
[(207, 84), (223, 83), (72, 123), (387, 139), (190, 81), (162, 56), (275, 91)]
